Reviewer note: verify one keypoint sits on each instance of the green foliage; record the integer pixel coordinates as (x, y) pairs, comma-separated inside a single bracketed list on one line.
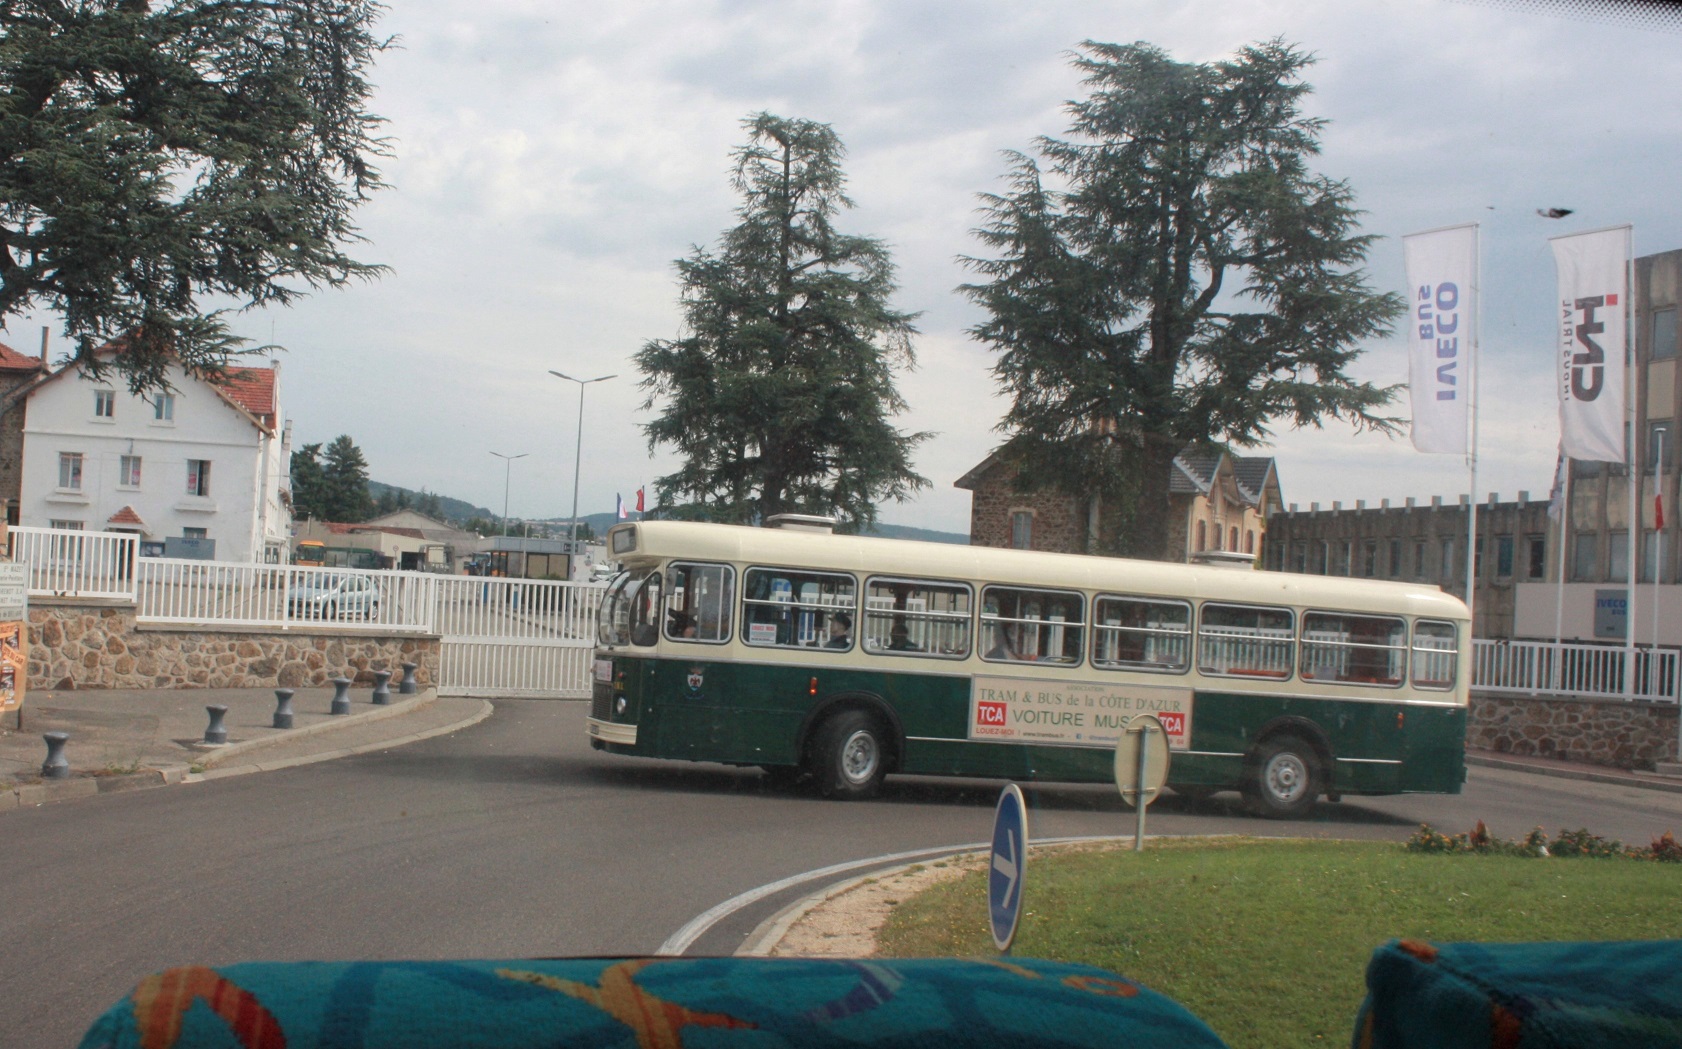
[(331, 485), (1267, 941), (309, 493), (155, 153), (1580, 842), (1175, 275), (780, 398)]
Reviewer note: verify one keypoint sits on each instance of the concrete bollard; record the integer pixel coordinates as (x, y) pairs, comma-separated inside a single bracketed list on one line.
[(216, 732), (382, 688), (283, 708), (341, 696), (56, 765), (408, 685)]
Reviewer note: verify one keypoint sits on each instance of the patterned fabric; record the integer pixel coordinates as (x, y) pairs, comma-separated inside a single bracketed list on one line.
[(1522, 996), (648, 1003)]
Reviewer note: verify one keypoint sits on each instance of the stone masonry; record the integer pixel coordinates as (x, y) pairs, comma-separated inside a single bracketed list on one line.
[(1602, 732), (74, 645)]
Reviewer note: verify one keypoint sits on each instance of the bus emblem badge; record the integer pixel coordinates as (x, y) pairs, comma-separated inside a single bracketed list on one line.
[(695, 679)]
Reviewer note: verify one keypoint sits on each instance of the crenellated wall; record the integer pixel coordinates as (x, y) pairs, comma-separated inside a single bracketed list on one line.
[(82, 645)]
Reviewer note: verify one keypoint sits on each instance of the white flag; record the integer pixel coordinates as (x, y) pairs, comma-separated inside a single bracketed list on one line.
[(1593, 293), (1442, 273)]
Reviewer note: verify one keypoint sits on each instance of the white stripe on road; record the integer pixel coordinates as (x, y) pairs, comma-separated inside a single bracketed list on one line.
[(685, 937)]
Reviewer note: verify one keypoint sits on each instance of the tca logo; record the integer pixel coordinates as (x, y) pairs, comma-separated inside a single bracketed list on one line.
[(989, 713), (1588, 364)]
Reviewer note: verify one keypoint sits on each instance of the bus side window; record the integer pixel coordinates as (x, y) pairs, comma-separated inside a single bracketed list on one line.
[(786, 608), (1025, 626), (1352, 649), (1141, 634), (698, 607), (645, 610), (1245, 641), (1436, 654), (917, 618)]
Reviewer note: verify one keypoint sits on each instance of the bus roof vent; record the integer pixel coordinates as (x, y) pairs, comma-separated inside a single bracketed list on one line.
[(1223, 559), (801, 523)]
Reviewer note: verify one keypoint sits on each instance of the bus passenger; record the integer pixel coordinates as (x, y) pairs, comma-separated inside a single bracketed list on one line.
[(840, 630)]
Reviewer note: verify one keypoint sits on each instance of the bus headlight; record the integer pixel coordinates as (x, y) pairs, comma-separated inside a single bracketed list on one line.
[(619, 705)]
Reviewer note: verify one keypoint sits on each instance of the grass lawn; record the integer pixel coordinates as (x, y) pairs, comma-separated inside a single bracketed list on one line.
[(1268, 941)]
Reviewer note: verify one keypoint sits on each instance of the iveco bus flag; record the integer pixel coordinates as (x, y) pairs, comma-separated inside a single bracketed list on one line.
[(1593, 294), (1442, 273)]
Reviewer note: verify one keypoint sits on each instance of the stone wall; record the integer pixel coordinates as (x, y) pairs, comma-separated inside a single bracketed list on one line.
[(1603, 732), (79, 645), (1059, 524)]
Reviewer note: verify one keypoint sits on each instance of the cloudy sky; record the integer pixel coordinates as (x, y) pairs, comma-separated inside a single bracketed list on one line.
[(552, 159)]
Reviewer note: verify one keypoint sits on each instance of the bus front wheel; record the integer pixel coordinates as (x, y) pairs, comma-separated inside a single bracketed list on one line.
[(1285, 779), (847, 756)]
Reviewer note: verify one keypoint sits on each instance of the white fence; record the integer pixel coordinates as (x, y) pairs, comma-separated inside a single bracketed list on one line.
[(1543, 668), (499, 637)]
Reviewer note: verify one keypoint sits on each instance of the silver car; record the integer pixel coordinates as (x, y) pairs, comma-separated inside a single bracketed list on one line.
[(335, 597)]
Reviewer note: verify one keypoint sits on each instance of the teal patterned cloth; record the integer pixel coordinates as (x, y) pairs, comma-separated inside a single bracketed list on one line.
[(1626, 995), (647, 1003)]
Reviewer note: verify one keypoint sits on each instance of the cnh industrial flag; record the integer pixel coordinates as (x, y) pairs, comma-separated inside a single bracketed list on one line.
[(1593, 293), (1442, 273)]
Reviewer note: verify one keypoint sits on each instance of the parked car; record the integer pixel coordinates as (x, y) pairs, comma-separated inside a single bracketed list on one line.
[(335, 597)]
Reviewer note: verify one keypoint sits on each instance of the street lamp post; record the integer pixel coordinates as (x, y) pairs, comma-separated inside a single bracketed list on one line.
[(577, 452), (507, 472)]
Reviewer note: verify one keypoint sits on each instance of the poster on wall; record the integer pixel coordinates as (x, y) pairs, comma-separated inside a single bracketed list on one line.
[(14, 633)]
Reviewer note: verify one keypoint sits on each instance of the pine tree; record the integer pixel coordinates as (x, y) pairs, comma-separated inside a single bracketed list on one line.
[(155, 153), (781, 397), (1188, 281), (345, 482), (309, 488)]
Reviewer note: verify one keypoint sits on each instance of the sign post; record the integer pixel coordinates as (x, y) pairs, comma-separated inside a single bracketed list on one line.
[(1007, 867), (1141, 767)]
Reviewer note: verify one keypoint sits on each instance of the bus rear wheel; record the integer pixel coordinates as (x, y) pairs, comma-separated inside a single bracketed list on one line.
[(1285, 779), (847, 758)]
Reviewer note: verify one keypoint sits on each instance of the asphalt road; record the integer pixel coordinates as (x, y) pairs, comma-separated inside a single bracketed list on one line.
[(514, 839)]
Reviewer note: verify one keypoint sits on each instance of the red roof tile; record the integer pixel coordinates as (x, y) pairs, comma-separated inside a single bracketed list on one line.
[(13, 361), (125, 516), (251, 389)]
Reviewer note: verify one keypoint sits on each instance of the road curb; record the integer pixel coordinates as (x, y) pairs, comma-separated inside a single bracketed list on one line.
[(771, 932), (218, 754), (32, 795), (1560, 772)]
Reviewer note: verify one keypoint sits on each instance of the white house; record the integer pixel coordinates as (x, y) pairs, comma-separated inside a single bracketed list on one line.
[(205, 461)]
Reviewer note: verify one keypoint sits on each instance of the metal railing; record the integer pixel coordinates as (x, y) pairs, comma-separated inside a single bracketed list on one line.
[(72, 563), (178, 591), (1567, 669)]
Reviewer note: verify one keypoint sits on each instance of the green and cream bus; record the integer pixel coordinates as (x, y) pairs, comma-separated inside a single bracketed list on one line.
[(845, 658)]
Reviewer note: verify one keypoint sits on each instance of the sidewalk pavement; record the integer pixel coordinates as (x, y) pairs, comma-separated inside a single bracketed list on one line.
[(128, 739), (1580, 770)]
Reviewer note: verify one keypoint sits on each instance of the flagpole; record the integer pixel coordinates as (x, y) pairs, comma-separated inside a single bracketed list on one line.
[(1632, 476), (1658, 542), (1472, 407), (1564, 541)]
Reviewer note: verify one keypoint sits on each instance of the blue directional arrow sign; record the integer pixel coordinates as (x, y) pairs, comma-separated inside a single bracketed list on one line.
[(1009, 863)]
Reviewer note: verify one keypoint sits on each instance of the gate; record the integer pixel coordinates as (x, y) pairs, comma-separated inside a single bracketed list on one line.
[(515, 637)]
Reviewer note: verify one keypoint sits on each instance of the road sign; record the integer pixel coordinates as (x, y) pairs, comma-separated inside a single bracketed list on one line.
[(1141, 767), (1008, 866)]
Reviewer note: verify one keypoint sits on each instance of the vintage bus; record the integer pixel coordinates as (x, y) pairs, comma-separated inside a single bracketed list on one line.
[(844, 659)]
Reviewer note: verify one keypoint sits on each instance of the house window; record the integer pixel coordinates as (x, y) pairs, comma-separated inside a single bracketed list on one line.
[(1617, 557), (1538, 557), (1299, 556), (1232, 538), (70, 471), (1022, 529), (1369, 558), (1395, 559), (1582, 557), (1503, 557), (198, 476), (1420, 568), (163, 408), (195, 533), (1322, 556), (71, 526), (1202, 536), (1664, 334), (1446, 566), (1250, 542), (1649, 554), (104, 404), (1344, 565), (128, 471)]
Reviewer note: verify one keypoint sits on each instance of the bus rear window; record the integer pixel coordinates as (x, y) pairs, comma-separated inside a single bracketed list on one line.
[(1436, 655), (787, 608), (698, 602), (1023, 626), (1135, 634), (1245, 641), (1351, 649), (916, 618)]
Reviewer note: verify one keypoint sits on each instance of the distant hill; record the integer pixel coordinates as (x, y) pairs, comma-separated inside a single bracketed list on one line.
[(455, 510)]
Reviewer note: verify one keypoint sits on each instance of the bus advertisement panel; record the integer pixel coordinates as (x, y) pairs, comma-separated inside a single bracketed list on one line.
[(1073, 713)]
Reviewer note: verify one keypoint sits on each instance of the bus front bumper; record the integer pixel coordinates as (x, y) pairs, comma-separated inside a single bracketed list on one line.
[(609, 732)]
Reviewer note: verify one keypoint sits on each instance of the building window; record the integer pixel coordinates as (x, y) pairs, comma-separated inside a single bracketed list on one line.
[(70, 471), (195, 533), (198, 476), (1664, 334), (1250, 541), (1661, 441), (1420, 568), (1538, 557), (1649, 554), (1322, 555), (1447, 566), (1503, 557), (1022, 529), (104, 404), (1617, 557), (1582, 558), (1202, 536), (1344, 566), (69, 526), (1395, 559), (1369, 558), (163, 408), (128, 471), (1232, 539)]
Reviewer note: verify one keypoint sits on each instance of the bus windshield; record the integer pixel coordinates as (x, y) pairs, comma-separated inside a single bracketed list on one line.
[(629, 608)]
